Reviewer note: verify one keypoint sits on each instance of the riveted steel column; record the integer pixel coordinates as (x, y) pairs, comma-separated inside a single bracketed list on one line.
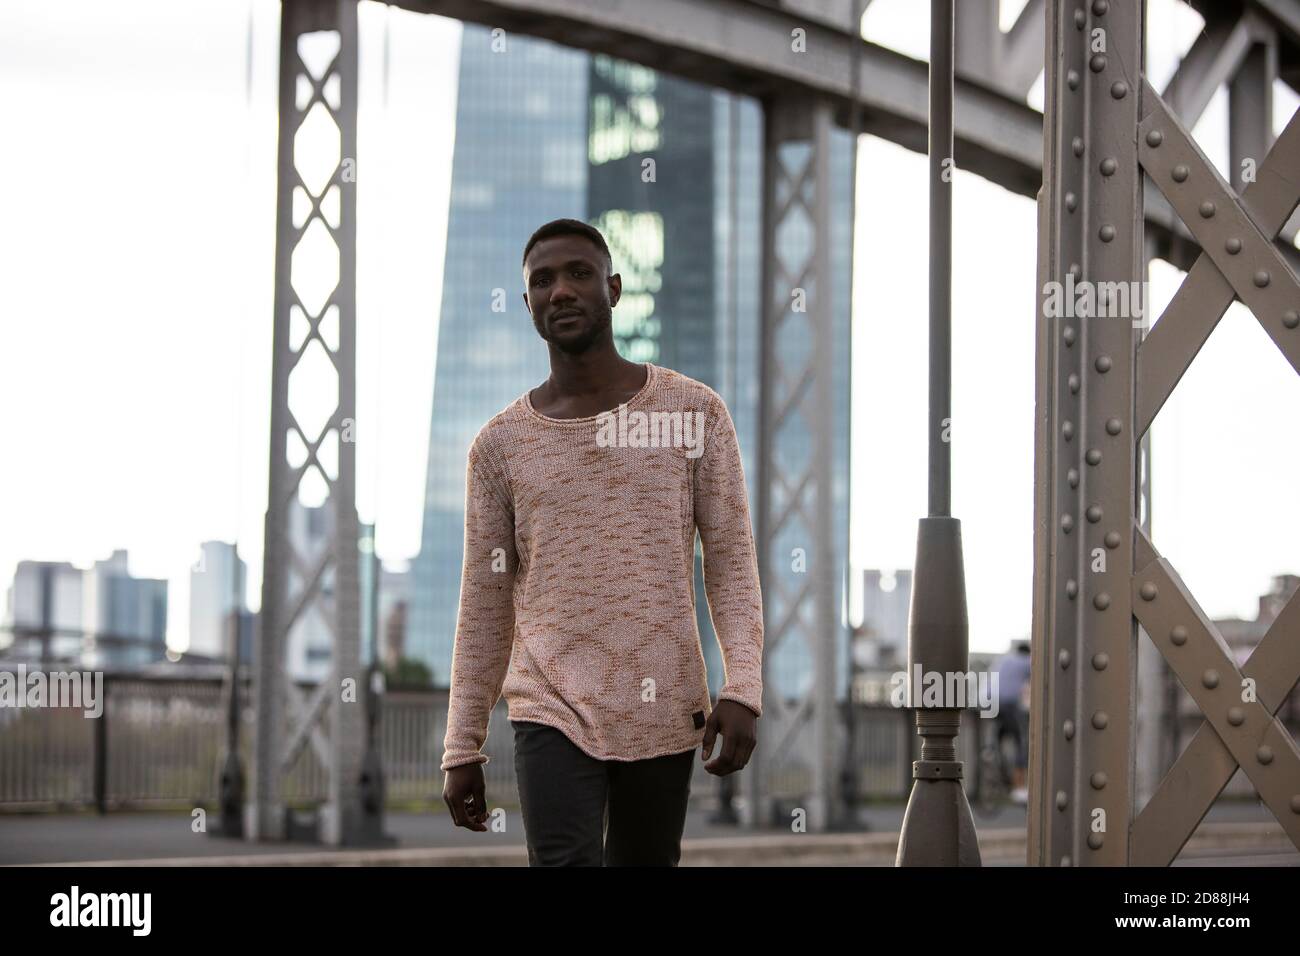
[(1085, 640), (795, 460), (332, 212)]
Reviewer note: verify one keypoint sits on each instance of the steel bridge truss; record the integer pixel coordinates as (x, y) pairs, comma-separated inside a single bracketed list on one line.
[(1100, 384)]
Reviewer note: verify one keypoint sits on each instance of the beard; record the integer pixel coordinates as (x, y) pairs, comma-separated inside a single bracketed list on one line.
[(601, 321)]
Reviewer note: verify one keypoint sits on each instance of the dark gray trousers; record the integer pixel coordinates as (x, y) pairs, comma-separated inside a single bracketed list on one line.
[(580, 811)]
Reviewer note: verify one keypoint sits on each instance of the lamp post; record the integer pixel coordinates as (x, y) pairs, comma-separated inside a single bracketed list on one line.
[(937, 827)]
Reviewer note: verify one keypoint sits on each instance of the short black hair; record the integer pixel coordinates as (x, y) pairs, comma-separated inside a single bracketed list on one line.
[(569, 227)]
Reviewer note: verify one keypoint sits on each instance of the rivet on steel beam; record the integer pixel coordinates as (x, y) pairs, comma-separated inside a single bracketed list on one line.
[(1068, 728), (1093, 457), (1071, 590), (1067, 333), (1062, 800), (1119, 89), (1099, 7), (1097, 63), (1207, 210), (1075, 271), (1100, 720), (1178, 635), (1072, 477), (1095, 841), (1077, 145), (1236, 716), (1148, 591), (1100, 660), (1155, 138), (1291, 318), (1264, 754), (1067, 430), (1094, 513), (1071, 202), (1073, 382), (1233, 245), (1112, 539), (1101, 601), (1107, 232), (1065, 861), (1180, 173), (1063, 658), (1113, 426), (1295, 803), (1262, 278), (1067, 523), (1210, 678), (1103, 364), (1098, 780), (1072, 79), (1080, 18), (1108, 166)]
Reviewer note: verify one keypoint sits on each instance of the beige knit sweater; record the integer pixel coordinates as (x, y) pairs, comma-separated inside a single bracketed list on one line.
[(577, 594)]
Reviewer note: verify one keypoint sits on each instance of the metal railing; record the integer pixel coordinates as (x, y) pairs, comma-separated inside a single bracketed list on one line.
[(160, 742)]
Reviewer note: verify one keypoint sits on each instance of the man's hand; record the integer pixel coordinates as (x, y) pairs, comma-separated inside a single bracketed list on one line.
[(736, 723), (464, 794)]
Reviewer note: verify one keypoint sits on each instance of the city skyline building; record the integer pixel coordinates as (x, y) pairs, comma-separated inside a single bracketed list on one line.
[(217, 587)]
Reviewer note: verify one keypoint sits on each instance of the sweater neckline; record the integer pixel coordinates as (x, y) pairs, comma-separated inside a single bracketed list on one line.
[(636, 399)]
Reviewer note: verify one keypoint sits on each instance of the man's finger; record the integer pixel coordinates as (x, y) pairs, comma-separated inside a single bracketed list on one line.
[(474, 812), (746, 754), (710, 734), (457, 809), (725, 762)]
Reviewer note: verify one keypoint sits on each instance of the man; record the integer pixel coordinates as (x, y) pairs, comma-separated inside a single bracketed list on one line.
[(1013, 672), (582, 502)]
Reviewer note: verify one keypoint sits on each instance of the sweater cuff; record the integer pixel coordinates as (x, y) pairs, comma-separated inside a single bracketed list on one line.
[(753, 701), (449, 762)]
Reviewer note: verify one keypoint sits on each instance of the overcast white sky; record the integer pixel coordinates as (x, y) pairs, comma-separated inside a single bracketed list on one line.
[(136, 256)]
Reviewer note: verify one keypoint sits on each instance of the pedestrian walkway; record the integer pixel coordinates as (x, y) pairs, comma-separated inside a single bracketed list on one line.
[(1233, 834)]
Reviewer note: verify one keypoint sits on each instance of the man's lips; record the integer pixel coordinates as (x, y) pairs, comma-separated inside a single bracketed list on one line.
[(565, 316)]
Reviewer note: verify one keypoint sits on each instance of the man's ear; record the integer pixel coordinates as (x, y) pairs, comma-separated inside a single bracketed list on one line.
[(615, 289), (526, 303)]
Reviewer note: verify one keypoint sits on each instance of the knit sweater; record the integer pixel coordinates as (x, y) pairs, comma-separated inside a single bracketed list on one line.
[(577, 596)]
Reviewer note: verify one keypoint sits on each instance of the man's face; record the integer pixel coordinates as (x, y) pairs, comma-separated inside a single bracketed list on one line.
[(569, 292)]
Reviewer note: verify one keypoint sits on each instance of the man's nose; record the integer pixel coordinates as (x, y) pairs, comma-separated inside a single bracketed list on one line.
[(561, 293)]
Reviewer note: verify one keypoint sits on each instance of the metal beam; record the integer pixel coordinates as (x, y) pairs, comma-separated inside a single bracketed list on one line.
[(1084, 638), (328, 92), (1213, 59), (795, 457), (1022, 58), (747, 47)]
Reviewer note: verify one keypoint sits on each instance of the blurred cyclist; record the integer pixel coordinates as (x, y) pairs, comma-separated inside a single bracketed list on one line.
[(1013, 712)]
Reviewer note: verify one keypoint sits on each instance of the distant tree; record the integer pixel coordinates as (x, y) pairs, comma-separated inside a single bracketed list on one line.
[(408, 673)]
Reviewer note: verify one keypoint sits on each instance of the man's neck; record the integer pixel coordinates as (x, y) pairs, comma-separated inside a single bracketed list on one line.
[(588, 373), (587, 384)]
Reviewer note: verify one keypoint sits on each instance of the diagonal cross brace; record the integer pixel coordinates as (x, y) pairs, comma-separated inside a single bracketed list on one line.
[(1236, 733), (1247, 225)]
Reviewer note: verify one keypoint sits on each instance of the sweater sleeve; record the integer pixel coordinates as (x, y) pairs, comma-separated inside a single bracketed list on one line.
[(486, 620), (730, 563)]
